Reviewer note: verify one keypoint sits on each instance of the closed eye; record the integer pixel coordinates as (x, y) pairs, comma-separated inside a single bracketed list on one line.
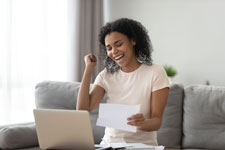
[(119, 44), (108, 48)]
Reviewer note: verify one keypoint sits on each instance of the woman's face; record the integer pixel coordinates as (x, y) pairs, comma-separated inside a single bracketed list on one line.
[(120, 49)]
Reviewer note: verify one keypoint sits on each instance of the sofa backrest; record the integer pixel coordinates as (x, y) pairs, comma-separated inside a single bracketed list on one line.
[(170, 133), (204, 117)]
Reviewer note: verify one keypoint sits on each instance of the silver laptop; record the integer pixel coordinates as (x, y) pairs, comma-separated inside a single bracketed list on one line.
[(63, 129)]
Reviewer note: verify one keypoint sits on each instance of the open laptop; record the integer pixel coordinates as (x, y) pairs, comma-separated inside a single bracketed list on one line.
[(63, 129)]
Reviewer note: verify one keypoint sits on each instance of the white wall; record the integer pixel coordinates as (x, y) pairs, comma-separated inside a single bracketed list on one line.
[(189, 35)]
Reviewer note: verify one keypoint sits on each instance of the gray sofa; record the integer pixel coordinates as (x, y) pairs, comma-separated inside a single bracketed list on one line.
[(194, 117)]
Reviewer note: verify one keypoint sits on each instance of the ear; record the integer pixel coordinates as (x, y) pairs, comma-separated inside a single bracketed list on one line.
[(133, 42)]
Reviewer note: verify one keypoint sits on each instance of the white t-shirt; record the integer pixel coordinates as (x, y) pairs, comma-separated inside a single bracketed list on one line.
[(130, 89)]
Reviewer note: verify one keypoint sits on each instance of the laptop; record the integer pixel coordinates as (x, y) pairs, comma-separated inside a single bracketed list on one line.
[(63, 129)]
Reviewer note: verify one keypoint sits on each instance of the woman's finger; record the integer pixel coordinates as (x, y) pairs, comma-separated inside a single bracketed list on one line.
[(92, 58), (136, 116), (136, 122)]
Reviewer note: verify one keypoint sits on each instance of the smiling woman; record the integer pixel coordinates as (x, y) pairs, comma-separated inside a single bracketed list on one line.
[(129, 78), (32, 41), (119, 50), (135, 33)]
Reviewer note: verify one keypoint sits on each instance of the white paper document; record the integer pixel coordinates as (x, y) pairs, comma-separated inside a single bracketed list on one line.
[(130, 146), (115, 116), (142, 146)]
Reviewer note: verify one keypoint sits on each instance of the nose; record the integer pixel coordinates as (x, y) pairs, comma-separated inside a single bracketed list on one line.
[(114, 51)]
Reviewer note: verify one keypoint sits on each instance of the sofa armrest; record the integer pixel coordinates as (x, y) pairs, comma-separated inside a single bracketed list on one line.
[(18, 136)]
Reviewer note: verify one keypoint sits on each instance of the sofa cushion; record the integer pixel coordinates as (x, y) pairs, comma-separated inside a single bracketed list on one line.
[(170, 133), (56, 95), (63, 95), (18, 136), (204, 117)]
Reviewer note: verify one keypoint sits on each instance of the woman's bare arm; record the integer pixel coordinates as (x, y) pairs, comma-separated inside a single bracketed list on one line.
[(159, 100), (85, 100)]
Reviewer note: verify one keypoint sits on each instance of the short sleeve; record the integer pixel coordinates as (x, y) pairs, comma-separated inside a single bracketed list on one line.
[(99, 80), (160, 79)]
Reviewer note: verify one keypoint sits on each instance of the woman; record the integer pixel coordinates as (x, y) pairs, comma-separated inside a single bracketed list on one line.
[(129, 78)]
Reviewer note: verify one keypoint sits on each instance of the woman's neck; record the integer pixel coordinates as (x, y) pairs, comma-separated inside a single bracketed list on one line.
[(132, 66)]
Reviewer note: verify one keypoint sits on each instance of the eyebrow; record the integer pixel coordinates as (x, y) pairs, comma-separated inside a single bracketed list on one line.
[(113, 43)]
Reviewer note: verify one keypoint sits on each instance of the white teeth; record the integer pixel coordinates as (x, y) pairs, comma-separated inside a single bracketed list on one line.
[(118, 57)]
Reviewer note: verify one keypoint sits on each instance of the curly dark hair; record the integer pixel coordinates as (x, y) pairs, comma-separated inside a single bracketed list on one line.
[(133, 30)]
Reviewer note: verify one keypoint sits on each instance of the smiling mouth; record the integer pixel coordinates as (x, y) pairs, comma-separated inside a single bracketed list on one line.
[(119, 57)]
